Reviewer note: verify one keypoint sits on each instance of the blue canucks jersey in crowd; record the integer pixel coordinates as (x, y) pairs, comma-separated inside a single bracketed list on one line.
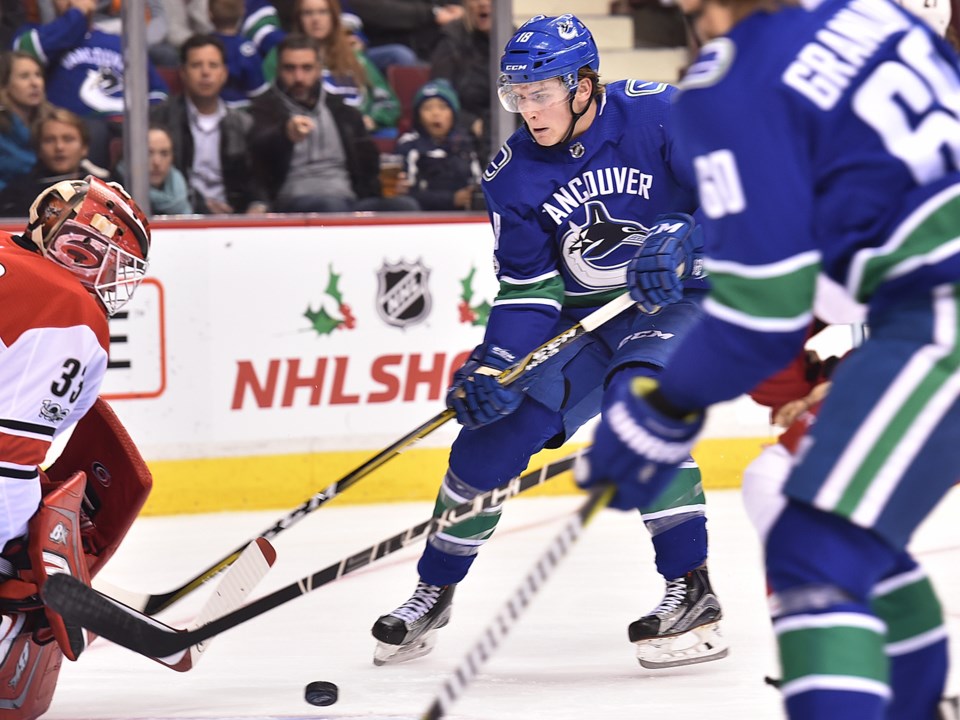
[(567, 220), (858, 135), (84, 67)]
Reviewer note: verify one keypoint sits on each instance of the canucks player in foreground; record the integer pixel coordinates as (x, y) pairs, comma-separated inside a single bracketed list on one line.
[(571, 196), (851, 169)]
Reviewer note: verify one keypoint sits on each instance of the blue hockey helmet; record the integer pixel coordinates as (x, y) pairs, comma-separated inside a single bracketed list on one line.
[(548, 47)]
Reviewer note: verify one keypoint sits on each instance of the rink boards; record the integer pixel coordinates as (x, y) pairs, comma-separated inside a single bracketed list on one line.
[(265, 359)]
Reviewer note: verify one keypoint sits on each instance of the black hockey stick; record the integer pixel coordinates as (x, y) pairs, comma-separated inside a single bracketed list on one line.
[(154, 603), (107, 617), (490, 638)]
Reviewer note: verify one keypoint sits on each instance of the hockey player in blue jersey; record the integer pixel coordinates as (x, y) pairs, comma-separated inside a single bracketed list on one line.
[(850, 169), (571, 196)]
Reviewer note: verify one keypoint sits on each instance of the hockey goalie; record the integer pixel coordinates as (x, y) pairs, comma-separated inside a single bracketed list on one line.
[(78, 261), (91, 496)]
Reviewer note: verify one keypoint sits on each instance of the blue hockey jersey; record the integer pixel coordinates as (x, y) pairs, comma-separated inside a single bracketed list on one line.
[(817, 136), (84, 67), (567, 220)]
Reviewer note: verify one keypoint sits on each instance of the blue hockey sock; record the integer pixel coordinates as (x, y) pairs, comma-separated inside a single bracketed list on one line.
[(677, 523), (822, 570), (681, 548), (450, 553), (916, 641)]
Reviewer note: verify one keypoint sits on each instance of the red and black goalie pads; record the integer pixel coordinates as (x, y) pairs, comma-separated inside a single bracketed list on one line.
[(118, 480)]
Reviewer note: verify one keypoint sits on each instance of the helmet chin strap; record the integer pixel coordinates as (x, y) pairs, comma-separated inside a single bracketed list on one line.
[(573, 121)]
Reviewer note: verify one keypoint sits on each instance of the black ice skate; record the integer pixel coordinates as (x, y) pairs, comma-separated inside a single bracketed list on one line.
[(410, 631), (684, 629)]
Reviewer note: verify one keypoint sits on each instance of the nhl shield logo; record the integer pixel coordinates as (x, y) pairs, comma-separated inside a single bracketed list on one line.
[(403, 297)]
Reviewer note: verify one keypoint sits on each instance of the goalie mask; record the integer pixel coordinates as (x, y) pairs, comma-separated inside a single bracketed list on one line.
[(97, 232)]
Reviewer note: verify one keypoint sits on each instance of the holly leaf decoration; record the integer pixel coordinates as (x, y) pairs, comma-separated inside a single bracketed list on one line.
[(482, 312), (332, 287), (322, 321), (467, 285)]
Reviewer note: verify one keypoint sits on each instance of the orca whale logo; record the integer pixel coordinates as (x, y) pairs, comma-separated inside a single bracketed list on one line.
[(596, 253)]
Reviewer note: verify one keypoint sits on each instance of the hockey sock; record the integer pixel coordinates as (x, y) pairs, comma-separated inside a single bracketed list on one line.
[(449, 554), (677, 523), (916, 642), (822, 569)]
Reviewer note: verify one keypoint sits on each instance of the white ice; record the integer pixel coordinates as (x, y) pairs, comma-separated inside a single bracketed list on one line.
[(566, 658)]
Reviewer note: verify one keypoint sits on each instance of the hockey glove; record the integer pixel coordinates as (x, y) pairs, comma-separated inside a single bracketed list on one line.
[(637, 446), (671, 253), (476, 395)]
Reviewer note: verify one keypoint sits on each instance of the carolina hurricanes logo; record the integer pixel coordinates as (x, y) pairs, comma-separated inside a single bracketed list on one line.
[(596, 253)]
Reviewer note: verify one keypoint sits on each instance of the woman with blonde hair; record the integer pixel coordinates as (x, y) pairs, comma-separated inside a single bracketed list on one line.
[(347, 71), (22, 99)]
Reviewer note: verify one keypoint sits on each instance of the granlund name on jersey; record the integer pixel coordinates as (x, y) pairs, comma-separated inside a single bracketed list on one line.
[(579, 212)]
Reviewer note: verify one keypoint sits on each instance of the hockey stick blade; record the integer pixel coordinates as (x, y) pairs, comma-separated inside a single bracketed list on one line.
[(231, 592), (497, 630), (126, 626), (154, 603)]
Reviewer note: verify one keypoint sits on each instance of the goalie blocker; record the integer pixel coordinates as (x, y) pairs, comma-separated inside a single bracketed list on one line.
[(91, 496)]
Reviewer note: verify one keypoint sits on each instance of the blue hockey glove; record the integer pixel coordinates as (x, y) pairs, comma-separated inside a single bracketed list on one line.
[(671, 253), (636, 446), (476, 395)]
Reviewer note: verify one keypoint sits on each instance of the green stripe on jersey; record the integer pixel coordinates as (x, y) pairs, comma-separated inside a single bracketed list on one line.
[(549, 289), (926, 244), (840, 650), (909, 611), (783, 296), (888, 442)]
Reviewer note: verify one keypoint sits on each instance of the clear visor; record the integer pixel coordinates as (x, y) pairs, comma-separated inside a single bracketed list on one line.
[(532, 97), (105, 269)]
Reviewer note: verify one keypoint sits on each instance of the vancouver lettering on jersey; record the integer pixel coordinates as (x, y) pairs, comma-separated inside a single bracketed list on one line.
[(824, 68), (95, 56), (596, 183)]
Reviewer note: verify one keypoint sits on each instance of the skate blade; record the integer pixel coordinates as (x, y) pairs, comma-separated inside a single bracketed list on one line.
[(385, 654), (700, 645)]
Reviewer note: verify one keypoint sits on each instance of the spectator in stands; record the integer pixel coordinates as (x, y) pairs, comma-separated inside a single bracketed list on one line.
[(347, 72), (462, 56), (383, 56), (169, 194), (11, 18), (244, 65), (61, 145), (209, 139), (84, 66), (414, 23), (311, 149), (441, 166), (108, 18), (261, 26), (22, 99), (84, 70), (186, 18)]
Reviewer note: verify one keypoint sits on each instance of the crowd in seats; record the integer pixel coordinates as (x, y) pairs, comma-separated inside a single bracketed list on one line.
[(233, 131)]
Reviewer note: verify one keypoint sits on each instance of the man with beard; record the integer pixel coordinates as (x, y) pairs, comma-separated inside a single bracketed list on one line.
[(311, 150)]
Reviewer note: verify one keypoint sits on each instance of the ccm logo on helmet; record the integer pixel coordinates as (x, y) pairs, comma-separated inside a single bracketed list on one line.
[(515, 67)]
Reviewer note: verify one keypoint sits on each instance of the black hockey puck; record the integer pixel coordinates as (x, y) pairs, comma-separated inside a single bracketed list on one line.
[(321, 692)]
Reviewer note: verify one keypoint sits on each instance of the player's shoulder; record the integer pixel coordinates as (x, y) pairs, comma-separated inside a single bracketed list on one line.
[(509, 162), (628, 93), (48, 295)]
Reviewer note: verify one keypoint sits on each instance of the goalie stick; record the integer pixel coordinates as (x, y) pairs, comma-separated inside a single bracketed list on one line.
[(154, 603), (231, 592), (497, 630), (123, 625)]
